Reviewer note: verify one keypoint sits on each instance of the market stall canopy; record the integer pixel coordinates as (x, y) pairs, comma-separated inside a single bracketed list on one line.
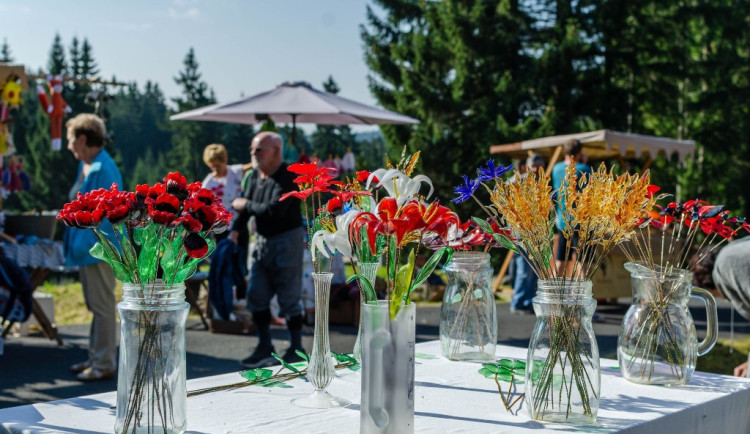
[(601, 145), (295, 102)]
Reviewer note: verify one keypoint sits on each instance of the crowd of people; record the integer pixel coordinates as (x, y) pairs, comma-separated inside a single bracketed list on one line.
[(251, 192)]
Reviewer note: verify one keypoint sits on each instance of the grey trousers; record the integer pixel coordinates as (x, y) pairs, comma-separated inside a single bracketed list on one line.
[(98, 281)]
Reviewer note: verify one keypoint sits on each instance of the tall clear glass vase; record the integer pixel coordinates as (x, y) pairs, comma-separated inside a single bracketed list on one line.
[(369, 270), (387, 369), (151, 393), (320, 369), (563, 374), (468, 316), (657, 342)]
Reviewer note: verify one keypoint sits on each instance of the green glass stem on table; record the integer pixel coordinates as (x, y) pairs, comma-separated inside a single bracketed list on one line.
[(151, 392), (657, 343), (468, 315), (368, 270), (320, 369), (563, 374)]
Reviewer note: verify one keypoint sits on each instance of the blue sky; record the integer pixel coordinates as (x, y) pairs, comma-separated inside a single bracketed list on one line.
[(243, 46)]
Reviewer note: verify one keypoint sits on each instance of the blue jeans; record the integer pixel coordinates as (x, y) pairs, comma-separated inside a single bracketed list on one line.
[(524, 284), (277, 270)]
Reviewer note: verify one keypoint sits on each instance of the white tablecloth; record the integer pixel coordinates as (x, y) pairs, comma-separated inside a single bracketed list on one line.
[(451, 397)]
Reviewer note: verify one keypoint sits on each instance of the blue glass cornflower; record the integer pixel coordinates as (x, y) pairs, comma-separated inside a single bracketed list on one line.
[(465, 191), (490, 172)]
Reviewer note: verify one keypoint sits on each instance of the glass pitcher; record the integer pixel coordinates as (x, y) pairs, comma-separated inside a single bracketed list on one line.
[(657, 342)]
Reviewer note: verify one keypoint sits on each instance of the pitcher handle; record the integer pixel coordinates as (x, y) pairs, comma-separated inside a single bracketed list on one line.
[(712, 324)]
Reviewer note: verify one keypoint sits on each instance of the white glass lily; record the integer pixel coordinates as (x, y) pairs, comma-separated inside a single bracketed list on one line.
[(328, 243), (398, 185)]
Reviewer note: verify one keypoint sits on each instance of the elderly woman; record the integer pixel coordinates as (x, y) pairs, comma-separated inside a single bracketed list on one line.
[(224, 180), (86, 133)]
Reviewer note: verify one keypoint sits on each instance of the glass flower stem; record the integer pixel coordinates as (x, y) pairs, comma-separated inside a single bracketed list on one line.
[(369, 270)]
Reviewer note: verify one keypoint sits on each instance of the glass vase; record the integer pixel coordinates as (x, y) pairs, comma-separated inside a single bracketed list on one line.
[(320, 369), (387, 369), (468, 316), (369, 270), (151, 393), (657, 342), (562, 368)]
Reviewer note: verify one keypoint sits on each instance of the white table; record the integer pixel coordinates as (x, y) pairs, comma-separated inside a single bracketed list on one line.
[(451, 397)]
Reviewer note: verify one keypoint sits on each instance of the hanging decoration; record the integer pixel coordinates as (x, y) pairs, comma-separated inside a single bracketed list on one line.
[(55, 107)]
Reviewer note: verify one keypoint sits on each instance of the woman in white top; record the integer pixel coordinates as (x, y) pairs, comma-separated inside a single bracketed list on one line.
[(224, 180)]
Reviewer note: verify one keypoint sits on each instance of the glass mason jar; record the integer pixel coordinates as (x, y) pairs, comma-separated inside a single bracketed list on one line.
[(468, 316), (387, 369), (657, 342), (151, 392), (562, 368)]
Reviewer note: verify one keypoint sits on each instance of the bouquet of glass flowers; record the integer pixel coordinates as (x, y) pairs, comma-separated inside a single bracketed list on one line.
[(654, 346), (159, 232), (389, 226), (154, 239), (600, 211)]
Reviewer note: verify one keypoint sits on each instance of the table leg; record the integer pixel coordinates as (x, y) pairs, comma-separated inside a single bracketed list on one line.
[(50, 330)]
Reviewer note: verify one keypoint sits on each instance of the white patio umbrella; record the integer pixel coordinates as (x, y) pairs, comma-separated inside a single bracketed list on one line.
[(295, 102)]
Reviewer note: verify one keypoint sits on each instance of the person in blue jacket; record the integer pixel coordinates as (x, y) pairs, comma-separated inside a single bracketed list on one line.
[(97, 169)]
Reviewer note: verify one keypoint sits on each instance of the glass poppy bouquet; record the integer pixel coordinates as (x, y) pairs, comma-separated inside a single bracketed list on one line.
[(681, 229), (157, 232), (395, 227)]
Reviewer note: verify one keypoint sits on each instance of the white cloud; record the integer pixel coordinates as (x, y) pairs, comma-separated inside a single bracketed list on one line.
[(190, 13)]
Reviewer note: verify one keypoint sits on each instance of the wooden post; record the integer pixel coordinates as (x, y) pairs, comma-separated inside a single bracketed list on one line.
[(503, 270), (553, 160)]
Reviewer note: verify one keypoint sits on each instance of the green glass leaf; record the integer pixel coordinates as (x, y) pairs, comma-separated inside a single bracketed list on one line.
[(356, 367), (429, 267), (457, 297), (274, 383), (487, 373), (478, 294), (150, 244), (401, 287), (344, 358), (392, 250), (285, 364), (504, 375), (491, 367), (121, 272), (483, 225), (302, 354), (263, 373), (369, 291), (425, 356), (505, 242), (511, 363), (249, 375)]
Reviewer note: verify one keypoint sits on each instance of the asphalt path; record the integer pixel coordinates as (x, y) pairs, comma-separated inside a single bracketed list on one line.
[(34, 369)]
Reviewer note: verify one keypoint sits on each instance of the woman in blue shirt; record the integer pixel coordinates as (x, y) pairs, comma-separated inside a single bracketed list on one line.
[(86, 133)]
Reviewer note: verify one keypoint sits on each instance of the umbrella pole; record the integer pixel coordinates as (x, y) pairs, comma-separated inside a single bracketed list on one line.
[(294, 130)]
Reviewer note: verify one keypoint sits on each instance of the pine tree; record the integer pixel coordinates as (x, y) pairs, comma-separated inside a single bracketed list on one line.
[(190, 138), (57, 64), (457, 66), (5, 53)]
